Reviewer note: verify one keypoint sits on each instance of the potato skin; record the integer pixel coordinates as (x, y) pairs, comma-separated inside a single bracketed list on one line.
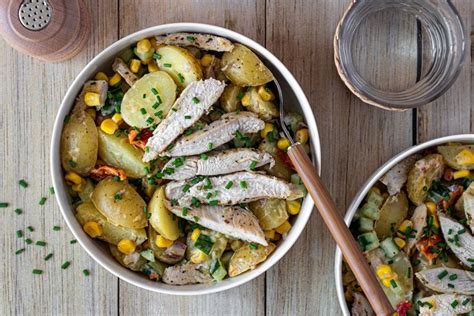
[(162, 220), (392, 213), (271, 213), (180, 64), (86, 212), (246, 258), (449, 154), (229, 100), (118, 152), (422, 175), (265, 110), (79, 144), (244, 68), (128, 211)]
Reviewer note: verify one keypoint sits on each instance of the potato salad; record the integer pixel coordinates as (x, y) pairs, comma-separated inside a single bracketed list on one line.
[(174, 158), (416, 228)]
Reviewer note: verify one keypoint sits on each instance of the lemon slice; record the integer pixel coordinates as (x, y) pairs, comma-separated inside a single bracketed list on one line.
[(148, 101)]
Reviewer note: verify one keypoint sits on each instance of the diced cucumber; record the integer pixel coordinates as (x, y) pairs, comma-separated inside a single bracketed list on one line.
[(375, 198), (370, 210), (126, 54), (218, 271), (389, 247), (154, 270), (368, 241), (148, 255), (365, 224)]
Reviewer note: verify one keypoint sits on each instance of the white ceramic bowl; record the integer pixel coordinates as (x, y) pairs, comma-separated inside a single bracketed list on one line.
[(294, 98), (466, 138)]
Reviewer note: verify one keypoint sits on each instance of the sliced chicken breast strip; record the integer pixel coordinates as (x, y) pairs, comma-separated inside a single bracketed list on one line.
[(445, 305), (458, 238), (187, 273), (202, 41), (447, 280), (222, 162), (216, 134), (233, 221), (195, 101)]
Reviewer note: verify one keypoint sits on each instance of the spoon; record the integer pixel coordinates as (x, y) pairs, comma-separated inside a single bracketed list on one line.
[(334, 221)]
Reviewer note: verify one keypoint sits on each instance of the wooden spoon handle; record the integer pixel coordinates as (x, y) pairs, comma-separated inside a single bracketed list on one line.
[(340, 232)]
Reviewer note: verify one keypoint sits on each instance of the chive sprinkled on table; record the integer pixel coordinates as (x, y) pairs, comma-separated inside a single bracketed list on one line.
[(19, 233), (40, 243), (48, 256), (19, 251), (42, 201), (23, 183), (85, 272), (18, 211), (37, 271), (56, 228), (3, 204), (65, 265)]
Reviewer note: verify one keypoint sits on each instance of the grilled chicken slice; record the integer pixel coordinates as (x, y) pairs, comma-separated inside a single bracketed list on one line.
[(223, 162), (459, 240), (97, 86), (120, 67), (240, 187), (188, 273), (466, 204), (195, 101), (447, 280), (396, 177), (216, 134), (201, 41), (419, 222), (360, 306), (233, 221), (445, 305)]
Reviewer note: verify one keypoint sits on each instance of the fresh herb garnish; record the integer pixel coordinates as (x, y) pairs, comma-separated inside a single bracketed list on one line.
[(48, 256), (19, 233), (142, 111), (442, 274), (65, 265), (117, 196), (204, 243), (253, 246), (184, 211), (23, 183), (203, 157), (180, 77), (18, 211), (37, 271), (85, 272), (243, 184), (56, 228), (40, 243), (156, 56), (252, 165), (229, 185), (209, 146), (167, 65), (196, 100), (19, 251), (3, 204)]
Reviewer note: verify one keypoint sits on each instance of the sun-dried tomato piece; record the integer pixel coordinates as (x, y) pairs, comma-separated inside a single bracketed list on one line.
[(101, 172)]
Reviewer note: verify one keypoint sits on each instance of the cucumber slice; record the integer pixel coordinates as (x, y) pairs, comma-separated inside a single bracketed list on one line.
[(370, 210), (218, 271), (368, 241), (365, 224), (149, 100), (389, 247)]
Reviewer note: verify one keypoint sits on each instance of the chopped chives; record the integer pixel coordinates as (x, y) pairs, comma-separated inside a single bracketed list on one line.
[(3, 204), (155, 105), (28, 241), (40, 243), (454, 303), (209, 146), (42, 201), (185, 211), (461, 231), (51, 190), (213, 202), (243, 184), (253, 164), (252, 246), (144, 96), (229, 185), (149, 120), (203, 157), (167, 65), (196, 100), (190, 38), (187, 117), (453, 277), (37, 271), (174, 110), (85, 272), (159, 114), (117, 196), (67, 118), (23, 183), (18, 211), (209, 195), (65, 265), (56, 228), (154, 91), (48, 256), (180, 77), (196, 218), (73, 241), (117, 179), (465, 302), (451, 286), (186, 187), (142, 111), (393, 283), (156, 56), (19, 233), (72, 163), (19, 251), (240, 95), (158, 98), (442, 274)]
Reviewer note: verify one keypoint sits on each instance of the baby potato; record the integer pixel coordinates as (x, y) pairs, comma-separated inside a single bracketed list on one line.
[(280, 169), (86, 212), (180, 64), (246, 258), (79, 143), (132, 261), (422, 175), (162, 220), (149, 100), (450, 155), (119, 203), (230, 98), (118, 152), (271, 213), (392, 214), (244, 68), (266, 110)]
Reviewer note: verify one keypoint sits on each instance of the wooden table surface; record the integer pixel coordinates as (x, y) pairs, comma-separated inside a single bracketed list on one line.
[(355, 140)]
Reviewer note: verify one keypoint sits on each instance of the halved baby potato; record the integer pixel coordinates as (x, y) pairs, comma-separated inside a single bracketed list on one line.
[(79, 143), (392, 214), (162, 220), (246, 258), (119, 203), (117, 151), (149, 100), (86, 212), (271, 213), (180, 64), (265, 110), (455, 156)]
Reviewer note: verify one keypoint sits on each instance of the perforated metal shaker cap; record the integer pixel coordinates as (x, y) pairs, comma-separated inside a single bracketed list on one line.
[(35, 15)]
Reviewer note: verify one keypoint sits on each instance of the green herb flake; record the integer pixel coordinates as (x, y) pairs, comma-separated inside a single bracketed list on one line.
[(196, 218), (451, 286), (30, 228), (73, 241), (65, 265), (116, 178), (229, 185), (37, 271), (23, 183), (203, 157), (56, 228), (86, 272), (117, 196), (67, 118), (149, 120), (442, 274), (253, 246), (72, 163), (213, 202), (190, 38), (40, 243), (204, 243), (156, 56), (167, 65), (187, 117), (18, 211), (393, 283), (252, 165), (51, 190), (453, 277), (144, 96), (48, 256), (454, 303), (3, 204), (465, 302), (186, 188), (28, 241), (155, 105), (185, 211), (180, 77), (196, 100), (42, 201), (19, 251), (159, 114), (154, 91), (210, 146), (19, 233), (142, 111), (243, 184), (174, 110), (240, 95)]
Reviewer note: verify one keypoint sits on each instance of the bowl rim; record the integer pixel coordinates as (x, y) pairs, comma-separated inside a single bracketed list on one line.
[(92, 247), (373, 178)]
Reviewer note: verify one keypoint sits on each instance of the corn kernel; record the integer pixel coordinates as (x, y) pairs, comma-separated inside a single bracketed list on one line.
[(283, 143), (93, 229), (77, 187), (135, 65), (143, 46), (108, 126), (115, 79), (431, 207), (302, 135), (117, 118), (265, 93), (101, 76), (386, 282), (126, 246), (92, 99), (162, 242), (206, 60), (435, 221), (293, 207), (404, 225), (384, 271), (461, 174), (195, 234), (152, 67), (465, 157), (198, 257), (73, 178), (266, 130), (399, 242), (91, 112), (270, 234), (236, 244), (283, 228), (246, 99)]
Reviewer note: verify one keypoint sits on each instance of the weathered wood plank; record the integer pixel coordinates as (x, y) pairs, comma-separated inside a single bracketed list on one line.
[(355, 139), (246, 17), (31, 93)]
